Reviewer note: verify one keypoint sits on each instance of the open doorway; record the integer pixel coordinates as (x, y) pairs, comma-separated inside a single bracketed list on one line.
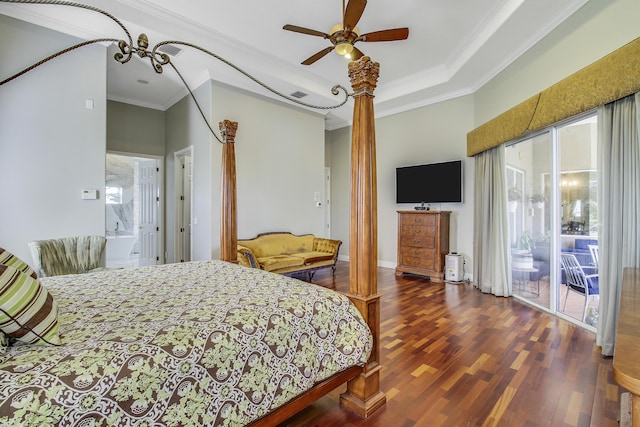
[(133, 210)]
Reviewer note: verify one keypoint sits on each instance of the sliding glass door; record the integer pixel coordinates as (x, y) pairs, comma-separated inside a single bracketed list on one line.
[(553, 219), (528, 167), (578, 216)]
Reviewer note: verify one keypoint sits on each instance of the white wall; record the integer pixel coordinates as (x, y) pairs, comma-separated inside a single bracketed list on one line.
[(429, 134), (51, 146)]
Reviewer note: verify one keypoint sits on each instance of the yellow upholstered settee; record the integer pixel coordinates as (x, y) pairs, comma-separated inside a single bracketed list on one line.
[(286, 253)]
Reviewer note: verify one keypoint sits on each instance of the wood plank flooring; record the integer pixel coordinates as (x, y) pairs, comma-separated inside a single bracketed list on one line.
[(453, 356)]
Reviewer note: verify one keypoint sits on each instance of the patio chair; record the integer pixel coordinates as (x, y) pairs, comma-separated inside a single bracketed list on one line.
[(578, 281), (593, 249)]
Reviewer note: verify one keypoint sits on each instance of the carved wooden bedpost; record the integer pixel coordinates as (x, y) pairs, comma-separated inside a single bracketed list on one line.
[(228, 214), (363, 393)]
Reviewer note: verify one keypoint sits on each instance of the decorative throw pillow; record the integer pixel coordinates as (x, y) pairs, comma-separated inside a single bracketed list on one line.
[(28, 312), (7, 258)]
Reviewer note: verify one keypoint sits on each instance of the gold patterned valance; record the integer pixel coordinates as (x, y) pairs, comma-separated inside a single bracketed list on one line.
[(612, 77)]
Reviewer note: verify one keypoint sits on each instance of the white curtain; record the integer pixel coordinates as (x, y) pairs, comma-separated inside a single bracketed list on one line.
[(619, 201), (491, 270)]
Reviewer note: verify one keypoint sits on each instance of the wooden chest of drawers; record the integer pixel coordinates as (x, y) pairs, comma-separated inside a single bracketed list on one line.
[(423, 243)]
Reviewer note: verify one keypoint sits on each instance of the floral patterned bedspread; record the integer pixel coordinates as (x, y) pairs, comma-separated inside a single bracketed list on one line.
[(198, 343)]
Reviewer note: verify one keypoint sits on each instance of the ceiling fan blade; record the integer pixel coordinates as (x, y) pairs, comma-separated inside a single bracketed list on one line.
[(303, 30), (356, 54), (313, 58), (385, 35), (353, 13)]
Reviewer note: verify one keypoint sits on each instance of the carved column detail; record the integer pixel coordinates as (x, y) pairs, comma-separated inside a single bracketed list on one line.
[(228, 214), (363, 393)]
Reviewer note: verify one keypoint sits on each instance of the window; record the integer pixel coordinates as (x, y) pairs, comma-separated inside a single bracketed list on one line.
[(113, 195)]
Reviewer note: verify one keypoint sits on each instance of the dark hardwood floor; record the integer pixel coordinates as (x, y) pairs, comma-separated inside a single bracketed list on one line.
[(453, 356)]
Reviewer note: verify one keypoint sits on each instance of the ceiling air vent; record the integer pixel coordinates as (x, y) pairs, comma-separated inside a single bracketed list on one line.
[(298, 94), (170, 49)]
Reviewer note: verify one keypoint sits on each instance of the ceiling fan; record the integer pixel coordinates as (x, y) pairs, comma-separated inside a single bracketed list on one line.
[(344, 36)]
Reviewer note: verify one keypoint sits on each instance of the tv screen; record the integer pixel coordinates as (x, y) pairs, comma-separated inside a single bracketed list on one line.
[(430, 183)]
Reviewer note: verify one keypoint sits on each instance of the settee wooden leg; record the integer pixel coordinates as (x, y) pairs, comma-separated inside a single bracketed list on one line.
[(311, 274)]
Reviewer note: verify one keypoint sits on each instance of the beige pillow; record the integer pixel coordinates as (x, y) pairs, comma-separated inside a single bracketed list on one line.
[(28, 312)]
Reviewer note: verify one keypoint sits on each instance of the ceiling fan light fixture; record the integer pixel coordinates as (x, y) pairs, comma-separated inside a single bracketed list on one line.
[(345, 35), (336, 28), (344, 48), (340, 28)]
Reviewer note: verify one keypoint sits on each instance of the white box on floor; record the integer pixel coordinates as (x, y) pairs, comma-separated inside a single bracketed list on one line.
[(454, 271)]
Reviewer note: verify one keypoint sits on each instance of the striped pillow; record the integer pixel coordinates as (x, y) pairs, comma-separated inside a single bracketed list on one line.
[(28, 311), (7, 258)]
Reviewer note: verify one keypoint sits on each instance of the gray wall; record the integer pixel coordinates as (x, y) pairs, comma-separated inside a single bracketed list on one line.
[(280, 165), (438, 132), (51, 146), (429, 134), (133, 129), (185, 128), (280, 150)]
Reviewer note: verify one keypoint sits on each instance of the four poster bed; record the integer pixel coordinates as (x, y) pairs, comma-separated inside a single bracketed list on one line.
[(162, 345)]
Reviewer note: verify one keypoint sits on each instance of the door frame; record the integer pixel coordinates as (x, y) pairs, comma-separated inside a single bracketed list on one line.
[(177, 155), (161, 203), (327, 201)]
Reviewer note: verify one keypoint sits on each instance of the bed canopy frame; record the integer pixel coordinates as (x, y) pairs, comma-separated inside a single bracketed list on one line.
[(363, 394)]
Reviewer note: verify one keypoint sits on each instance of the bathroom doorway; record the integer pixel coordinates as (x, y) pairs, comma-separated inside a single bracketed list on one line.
[(133, 207)]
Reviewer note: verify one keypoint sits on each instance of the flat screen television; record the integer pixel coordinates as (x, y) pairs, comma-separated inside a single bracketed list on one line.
[(430, 183)]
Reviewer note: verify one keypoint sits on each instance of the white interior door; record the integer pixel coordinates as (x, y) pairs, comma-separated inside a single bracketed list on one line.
[(148, 227)]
